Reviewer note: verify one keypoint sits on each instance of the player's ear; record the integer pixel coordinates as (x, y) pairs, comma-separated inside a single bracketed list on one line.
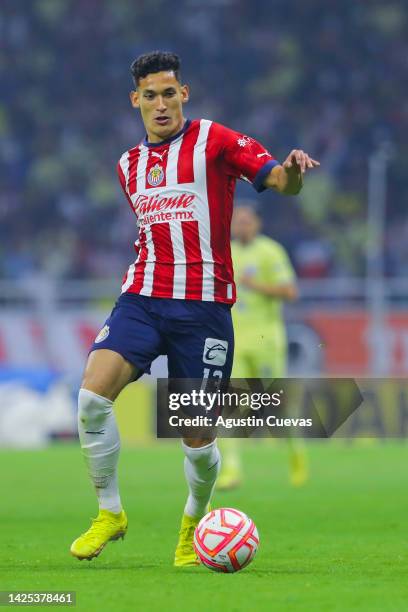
[(134, 99), (185, 93)]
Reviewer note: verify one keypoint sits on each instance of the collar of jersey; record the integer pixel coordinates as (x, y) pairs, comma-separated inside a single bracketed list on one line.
[(163, 142)]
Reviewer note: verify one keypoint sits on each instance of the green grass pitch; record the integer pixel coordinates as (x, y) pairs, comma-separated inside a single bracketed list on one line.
[(340, 543)]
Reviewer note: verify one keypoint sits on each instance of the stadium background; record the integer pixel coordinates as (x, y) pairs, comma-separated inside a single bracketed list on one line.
[(327, 77)]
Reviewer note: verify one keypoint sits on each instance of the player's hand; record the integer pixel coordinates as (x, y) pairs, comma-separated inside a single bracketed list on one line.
[(299, 161)]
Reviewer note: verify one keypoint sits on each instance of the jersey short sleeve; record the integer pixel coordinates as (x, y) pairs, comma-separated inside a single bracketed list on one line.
[(122, 182), (245, 158), (122, 178)]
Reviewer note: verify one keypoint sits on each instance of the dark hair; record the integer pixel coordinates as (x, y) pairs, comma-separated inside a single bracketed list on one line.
[(156, 61)]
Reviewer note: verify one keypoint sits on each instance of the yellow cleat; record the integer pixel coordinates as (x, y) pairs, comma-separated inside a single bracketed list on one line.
[(106, 527), (230, 478), (185, 554), (299, 470)]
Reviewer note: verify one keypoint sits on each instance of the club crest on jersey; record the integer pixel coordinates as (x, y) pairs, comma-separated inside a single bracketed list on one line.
[(155, 175), (103, 334)]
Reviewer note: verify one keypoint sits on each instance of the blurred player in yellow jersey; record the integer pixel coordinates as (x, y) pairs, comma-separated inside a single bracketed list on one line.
[(265, 279)]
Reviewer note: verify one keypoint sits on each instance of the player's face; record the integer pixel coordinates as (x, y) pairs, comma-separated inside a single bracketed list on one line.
[(160, 98), (245, 224)]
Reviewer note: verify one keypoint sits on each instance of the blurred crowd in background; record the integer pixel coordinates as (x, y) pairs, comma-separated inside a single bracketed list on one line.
[(325, 76)]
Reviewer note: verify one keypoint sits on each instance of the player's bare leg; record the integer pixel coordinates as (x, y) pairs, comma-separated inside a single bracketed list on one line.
[(201, 466), (106, 374)]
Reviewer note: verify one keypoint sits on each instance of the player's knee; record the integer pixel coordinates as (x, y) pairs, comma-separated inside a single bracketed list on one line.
[(97, 384), (202, 455), (92, 408), (197, 442)]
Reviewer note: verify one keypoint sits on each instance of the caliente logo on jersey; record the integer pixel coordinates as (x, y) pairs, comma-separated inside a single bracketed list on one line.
[(155, 175), (143, 204), (158, 209)]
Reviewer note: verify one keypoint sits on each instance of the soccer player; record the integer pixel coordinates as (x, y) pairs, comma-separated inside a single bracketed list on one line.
[(265, 280), (177, 295)]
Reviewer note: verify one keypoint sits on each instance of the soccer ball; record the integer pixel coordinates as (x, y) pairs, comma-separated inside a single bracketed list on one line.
[(226, 540)]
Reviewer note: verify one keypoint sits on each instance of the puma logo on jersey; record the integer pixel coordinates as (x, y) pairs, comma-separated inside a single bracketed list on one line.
[(262, 154), (159, 155)]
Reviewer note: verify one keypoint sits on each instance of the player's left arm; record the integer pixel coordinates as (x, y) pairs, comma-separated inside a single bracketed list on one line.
[(287, 178), (247, 159)]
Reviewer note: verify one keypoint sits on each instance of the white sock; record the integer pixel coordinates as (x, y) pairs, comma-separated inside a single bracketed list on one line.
[(101, 448), (201, 467)]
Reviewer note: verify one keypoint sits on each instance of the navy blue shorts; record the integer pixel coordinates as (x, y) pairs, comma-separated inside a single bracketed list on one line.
[(197, 337)]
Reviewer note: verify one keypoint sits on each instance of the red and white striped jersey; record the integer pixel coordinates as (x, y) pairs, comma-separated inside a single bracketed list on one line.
[(181, 191)]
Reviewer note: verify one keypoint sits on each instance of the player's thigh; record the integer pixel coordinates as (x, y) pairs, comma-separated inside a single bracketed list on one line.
[(107, 373), (201, 346), (124, 349)]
